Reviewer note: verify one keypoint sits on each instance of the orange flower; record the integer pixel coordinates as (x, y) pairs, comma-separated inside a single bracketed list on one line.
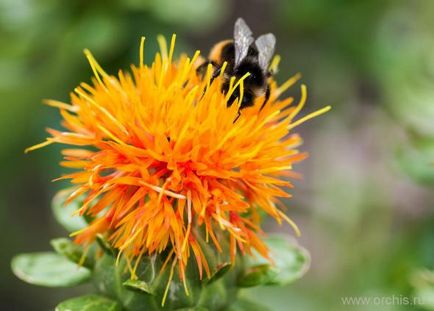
[(167, 161)]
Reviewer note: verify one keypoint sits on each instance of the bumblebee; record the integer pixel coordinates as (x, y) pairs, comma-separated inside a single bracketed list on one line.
[(243, 54)]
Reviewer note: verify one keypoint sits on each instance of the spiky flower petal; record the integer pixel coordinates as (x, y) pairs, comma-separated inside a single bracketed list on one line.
[(161, 162)]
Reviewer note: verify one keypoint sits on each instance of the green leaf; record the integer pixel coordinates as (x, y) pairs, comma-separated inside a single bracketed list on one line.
[(49, 269), (63, 213), (72, 251), (247, 305), (423, 282), (89, 303), (193, 309), (291, 262), (138, 285), (425, 295), (417, 159)]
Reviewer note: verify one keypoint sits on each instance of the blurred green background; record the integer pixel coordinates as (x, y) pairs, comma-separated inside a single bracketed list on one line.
[(365, 205)]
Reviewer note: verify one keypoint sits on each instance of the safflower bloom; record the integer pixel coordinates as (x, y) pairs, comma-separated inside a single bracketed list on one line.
[(159, 159)]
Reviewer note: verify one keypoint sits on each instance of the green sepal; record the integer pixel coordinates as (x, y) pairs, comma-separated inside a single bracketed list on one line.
[(255, 275), (146, 291), (291, 262), (89, 303), (49, 269), (105, 245), (115, 281), (220, 271), (219, 294), (63, 213), (72, 251), (139, 285)]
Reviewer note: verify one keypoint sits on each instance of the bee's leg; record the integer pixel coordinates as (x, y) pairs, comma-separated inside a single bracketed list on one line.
[(231, 99), (246, 102), (238, 115), (202, 69), (267, 97), (216, 73)]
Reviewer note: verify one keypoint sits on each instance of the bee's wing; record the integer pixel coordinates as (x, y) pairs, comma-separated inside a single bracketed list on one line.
[(242, 40), (265, 45)]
